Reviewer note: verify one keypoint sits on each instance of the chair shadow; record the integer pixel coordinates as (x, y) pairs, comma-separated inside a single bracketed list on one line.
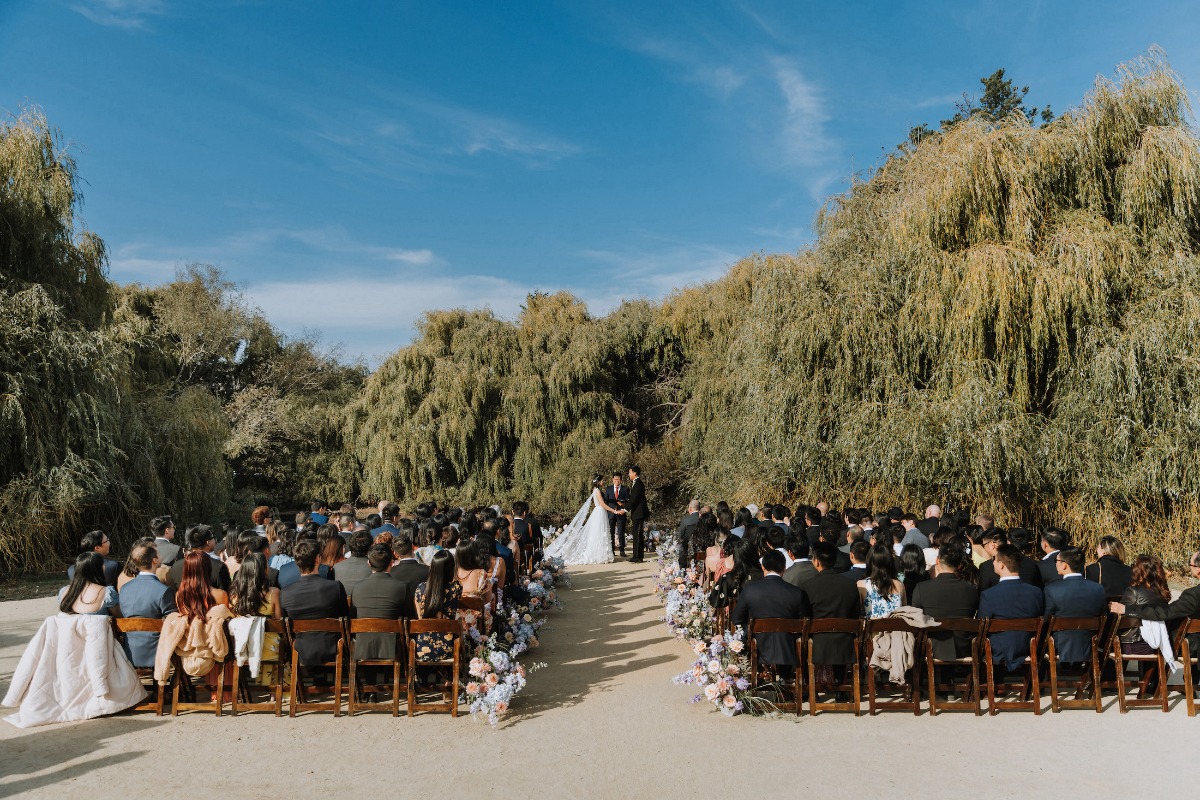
[(590, 648), (49, 747)]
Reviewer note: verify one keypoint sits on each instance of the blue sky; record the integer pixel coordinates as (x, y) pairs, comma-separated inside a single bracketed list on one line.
[(353, 165)]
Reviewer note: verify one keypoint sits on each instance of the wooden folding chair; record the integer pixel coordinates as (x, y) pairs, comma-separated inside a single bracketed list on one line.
[(392, 626), (297, 693), (1090, 677), (968, 664), (698, 559), (157, 690), (241, 676), (779, 625), (215, 701), (817, 627), (1189, 626), (471, 605), (1028, 682), (437, 626), (721, 620), (1157, 669), (911, 693)]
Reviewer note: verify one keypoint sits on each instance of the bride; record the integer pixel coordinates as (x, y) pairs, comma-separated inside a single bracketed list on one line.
[(586, 539)]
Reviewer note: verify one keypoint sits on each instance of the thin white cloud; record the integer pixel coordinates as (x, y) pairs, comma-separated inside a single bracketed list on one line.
[(938, 101), (125, 14), (805, 140), (722, 79)]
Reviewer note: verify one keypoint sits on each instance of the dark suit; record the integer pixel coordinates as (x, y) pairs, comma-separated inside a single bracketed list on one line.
[(813, 534), (314, 597), (289, 573), (855, 572), (947, 596), (1048, 567), (831, 596), (411, 573), (1072, 598), (527, 531), (1012, 599), (1110, 573), (1027, 571), (768, 598), (386, 527), (929, 526), (350, 572), (218, 574), (112, 571), (617, 497), (168, 551), (800, 572), (687, 526), (378, 596), (147, 597), (639, 512)]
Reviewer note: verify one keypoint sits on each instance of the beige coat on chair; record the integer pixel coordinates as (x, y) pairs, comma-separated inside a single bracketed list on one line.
[(199, 643)]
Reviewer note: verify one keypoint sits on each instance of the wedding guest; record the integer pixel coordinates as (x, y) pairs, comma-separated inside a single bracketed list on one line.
[(437, 598), (251, 595), (723, 562), (881, 591), (831, 596), (260, 517), (201, 539), (195, 634), (1010, 598), (333, 548), (319, 514), (932, 521), (355, 568), (378, 596), (146, 597), (948, 596), (494, 566), (163, 531), (859, 552), (471, 573), (746, 567), (802, 568), (87, 593), (131, 569), (99, 543), (291, 572), (1072, 597), (683, 535), (389, 514), (744, 517), (1148, 595), (1109, 569), (1052, 540), (913, 568), (1027, 568), (913, 534), (431, 541), (237, 547), (1186, 607), (313, 597), (280, 539), (771, 597)]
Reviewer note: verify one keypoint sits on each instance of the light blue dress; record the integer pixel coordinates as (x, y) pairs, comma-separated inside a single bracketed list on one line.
[(876, 606), (110, 599)]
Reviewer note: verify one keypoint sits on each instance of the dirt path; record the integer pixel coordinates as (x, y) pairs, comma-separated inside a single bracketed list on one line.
[(601, 720)]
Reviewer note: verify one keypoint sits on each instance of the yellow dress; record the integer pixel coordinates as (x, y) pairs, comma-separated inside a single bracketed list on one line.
[(269, 671)]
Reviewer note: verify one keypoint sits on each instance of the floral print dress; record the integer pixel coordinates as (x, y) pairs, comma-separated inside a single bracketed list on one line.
[(437, 646)]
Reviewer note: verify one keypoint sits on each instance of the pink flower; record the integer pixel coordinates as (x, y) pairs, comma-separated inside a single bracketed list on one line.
[(501, 707), (723, 685), (714, 666), (711, 693), (492, 679), (730, 701), (737, 645), (472, 688)]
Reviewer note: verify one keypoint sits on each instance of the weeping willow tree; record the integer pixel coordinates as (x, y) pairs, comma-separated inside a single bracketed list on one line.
[(484, 409), (1004, 317)]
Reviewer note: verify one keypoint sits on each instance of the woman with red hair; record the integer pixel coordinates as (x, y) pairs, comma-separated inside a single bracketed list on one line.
[(196, 631)]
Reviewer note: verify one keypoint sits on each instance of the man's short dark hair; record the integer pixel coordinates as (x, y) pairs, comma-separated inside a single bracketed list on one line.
[(825, 554), (636, 470), (812, 515), (1009, 556), (143, 556), (798, 546), (616, 474), (1054, 538), (951, 555), (379, 556), (773, 561), (159, 525), (390, 512), (776, 536), (402, 544), (317, 505), (346, 520), (359, 543), (859, 550), (780, 513), (199, 535), (520, 508), (302, 518), (909, 518), (1073, 557), (305, 552)]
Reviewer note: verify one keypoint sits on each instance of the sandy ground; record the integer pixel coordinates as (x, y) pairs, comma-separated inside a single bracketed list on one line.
[(601, 720)]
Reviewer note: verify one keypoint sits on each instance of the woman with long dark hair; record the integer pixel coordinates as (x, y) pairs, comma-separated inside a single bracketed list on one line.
[(251, 595), (745, 567), (87, 593), (912, 567), (437, 598), (881, 592), (1147, 587)]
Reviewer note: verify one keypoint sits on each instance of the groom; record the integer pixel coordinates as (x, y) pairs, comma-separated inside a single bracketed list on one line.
[(638, 513), (616, 496)]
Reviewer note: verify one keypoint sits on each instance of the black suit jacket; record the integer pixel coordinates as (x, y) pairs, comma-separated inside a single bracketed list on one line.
[(1048, 567), (1074, 598), (947, 596), (1011, 600), (411, 573), (1110, 573), (616, 499), (218, 574), (831, 596), (378, 596), (770, 597), (314, 597), (687, 526), (929, 526), (638, 509), (1027, 571), (527, 531)]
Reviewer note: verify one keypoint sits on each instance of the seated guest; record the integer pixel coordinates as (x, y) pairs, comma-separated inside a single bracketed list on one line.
[(725, 562), (744, 517), (388, 517), (201, 539), (1148, 595), (1072, 597), (831, 596), (87, 593), (1011, 598), (500, 536), (313, 597), (771, 597), (948, 596), (494, 566), (913, 568), (437, 598), (913, 534), (430, 537), (471, 572), (858, 554), (251, 595), (1109, 569), (1027, 568), (236, 548), (746, 567), (281, 539), (1186, 607), (714, 556), (355, 567), (881, 592), (687, 526), (802, 567), (1052, 540), (163, 531), (146, 597), (196, 632), (319, 514), (98, 542), (407, 569), (131, 569), (290, 572), (260, 518), (378, 596)]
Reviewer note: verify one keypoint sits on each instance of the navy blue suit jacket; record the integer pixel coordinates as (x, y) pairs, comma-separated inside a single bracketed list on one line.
[(1074, 597), (771, 597), (1011, 600), (145, 596)]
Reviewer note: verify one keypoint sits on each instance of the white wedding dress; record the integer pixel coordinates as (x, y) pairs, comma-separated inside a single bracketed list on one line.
[(586, 539)]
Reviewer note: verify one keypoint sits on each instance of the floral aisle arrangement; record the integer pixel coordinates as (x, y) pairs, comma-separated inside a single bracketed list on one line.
[(722, 668), (495, 675)]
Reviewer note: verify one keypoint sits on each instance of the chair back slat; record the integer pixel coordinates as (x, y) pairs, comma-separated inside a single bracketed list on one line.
[(138, 625), (1095, 624), (375, 625), (416, 626), (317, 626), (778, 625), (835, 626)]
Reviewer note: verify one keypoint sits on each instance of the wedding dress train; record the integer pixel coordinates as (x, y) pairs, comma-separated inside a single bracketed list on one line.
[(586, 539)]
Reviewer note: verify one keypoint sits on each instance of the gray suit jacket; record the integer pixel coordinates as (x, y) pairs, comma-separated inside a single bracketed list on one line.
[(168, 552), (378, 596), (799, 573), (145, 596), (351, 572)]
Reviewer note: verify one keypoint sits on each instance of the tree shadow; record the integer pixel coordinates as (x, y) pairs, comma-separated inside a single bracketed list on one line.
[(30, 753)]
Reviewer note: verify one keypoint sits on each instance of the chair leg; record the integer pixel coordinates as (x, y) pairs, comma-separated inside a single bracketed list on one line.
[(454, 679), (353, 684), (412, 673), (396, 688), (295, 682), (812, 686), (237, 686), (857, 682), (220, 699), (991, 676), (337, 683), (1119, 662), (175, 697)]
